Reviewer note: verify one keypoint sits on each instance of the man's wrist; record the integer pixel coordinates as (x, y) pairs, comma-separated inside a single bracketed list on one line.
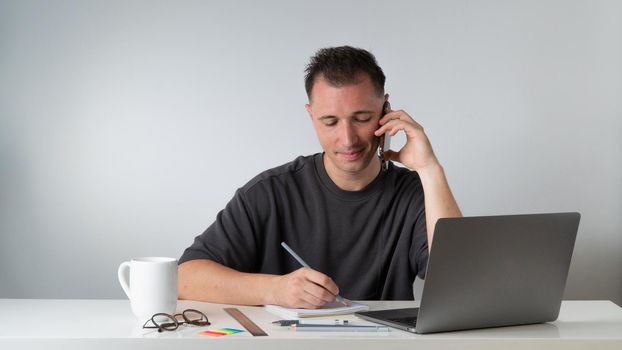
[(269, 295), (431, 172)]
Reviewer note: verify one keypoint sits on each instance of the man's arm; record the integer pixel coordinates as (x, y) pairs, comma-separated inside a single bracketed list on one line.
[(207, 280), (439, 201), (417, 154), (210, 267)]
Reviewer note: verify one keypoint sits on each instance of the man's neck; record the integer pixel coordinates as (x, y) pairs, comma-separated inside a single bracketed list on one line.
[(353, 181)]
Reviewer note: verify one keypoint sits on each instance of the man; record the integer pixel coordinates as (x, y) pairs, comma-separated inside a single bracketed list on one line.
[(365, 231)]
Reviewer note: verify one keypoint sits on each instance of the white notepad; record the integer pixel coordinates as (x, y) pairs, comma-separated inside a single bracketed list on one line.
[(330, 309)]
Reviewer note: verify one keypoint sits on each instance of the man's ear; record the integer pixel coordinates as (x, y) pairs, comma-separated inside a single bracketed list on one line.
[(308, 108), (386, 97)]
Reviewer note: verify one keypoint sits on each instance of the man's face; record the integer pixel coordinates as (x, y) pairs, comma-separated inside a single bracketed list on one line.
[(345, 119)]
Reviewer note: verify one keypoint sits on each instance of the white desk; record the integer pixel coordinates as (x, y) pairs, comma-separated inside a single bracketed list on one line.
[(108, 324)]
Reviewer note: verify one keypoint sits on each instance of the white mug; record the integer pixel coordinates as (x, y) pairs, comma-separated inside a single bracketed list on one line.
[(152, 285)]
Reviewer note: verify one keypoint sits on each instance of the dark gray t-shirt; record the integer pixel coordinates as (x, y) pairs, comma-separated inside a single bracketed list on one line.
[(371, 242)]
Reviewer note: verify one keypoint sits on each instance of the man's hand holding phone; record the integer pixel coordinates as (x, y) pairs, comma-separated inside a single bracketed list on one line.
[(417, 153)]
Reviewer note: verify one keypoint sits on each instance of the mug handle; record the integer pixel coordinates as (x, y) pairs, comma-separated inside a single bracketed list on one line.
[(123, 277)]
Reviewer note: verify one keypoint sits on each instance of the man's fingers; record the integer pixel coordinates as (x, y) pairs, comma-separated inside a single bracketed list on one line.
[(320, 294), (304, 301), (309, 301), (307, 288), (395, 115), (306, 305), (390, 115), (322, 281), (394, 126)]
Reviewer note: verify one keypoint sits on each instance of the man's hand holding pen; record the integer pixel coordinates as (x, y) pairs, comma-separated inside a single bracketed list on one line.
[(304, 288)]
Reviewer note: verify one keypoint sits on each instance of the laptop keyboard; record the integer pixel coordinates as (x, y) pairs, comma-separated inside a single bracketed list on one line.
[(411, 320)]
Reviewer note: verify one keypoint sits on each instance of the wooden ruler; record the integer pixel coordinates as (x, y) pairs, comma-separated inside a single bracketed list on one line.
[(250, 326)]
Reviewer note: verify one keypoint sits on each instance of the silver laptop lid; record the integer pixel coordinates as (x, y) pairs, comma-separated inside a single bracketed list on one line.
[(496, 271)]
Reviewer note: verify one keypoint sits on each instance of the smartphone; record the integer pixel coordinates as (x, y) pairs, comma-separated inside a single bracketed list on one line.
[(384, 142)]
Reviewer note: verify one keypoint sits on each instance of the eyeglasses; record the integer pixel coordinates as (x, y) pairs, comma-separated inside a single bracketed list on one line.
[(167, 322)]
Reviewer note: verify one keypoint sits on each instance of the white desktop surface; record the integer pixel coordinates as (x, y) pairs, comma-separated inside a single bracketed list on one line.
[(93, 324)]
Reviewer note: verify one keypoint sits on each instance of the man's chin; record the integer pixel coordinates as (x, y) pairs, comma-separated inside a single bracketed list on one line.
[(355, 166)]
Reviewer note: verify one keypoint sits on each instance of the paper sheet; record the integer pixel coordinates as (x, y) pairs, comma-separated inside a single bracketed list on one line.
[(334, 308)]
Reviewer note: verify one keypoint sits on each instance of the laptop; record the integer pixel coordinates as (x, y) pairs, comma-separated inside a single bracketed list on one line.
[(491, 271)]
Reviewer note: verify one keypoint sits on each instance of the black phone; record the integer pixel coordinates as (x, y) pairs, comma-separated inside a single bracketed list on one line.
[(384, 141)]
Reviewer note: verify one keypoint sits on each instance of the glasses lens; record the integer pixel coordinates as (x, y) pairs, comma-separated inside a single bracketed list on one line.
[(165, 322), (195, 317)]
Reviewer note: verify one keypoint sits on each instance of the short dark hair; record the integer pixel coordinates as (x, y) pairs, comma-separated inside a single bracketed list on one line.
[(342, 66)]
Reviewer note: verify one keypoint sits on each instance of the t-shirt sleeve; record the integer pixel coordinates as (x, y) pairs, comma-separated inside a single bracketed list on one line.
[(230, 240)]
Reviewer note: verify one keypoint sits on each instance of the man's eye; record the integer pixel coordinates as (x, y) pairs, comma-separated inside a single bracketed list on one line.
[(363, 120), (330, 122)]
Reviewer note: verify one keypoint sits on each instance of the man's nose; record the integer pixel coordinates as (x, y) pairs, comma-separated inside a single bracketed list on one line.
[(348, 134)]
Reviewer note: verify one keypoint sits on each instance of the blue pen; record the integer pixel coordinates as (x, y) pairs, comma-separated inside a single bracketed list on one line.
[(313, 328), (303, 263)]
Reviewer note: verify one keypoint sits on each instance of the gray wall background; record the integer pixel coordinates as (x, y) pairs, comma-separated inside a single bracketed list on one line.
[(125, 126)]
